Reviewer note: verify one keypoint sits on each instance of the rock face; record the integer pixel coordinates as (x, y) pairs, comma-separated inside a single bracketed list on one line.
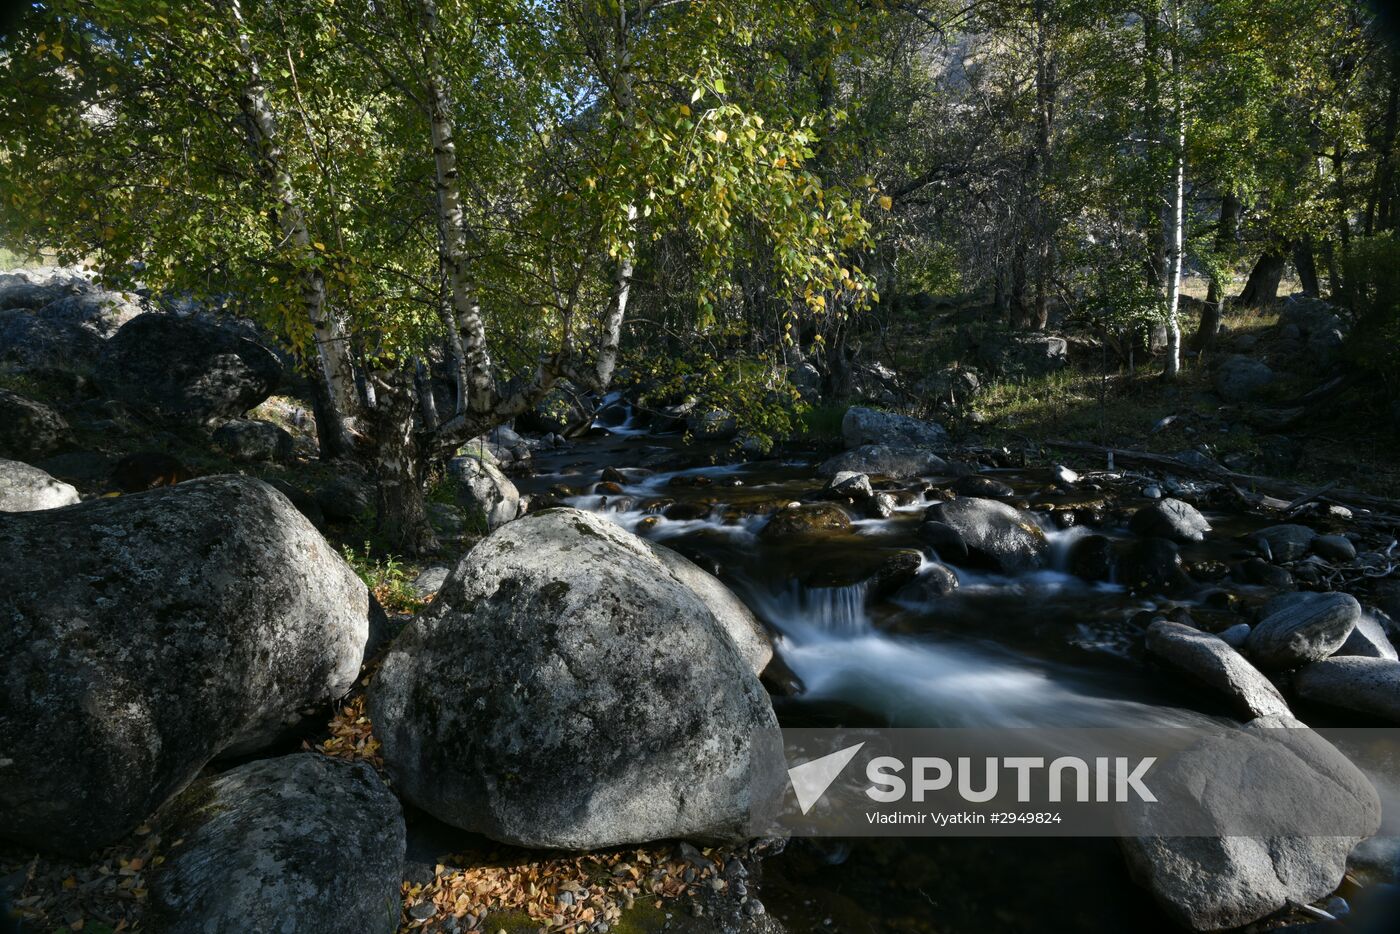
[(1208, 883), (151, 633), (1240, 378), (251, 439), (303, 843), (879, 460), (746, 632), (188, 368), (807, 521), (862, 426), (1285, 542), (1026, 354), (1171, 518), (25, 489), (1303, 627), (58, 323), (484, 491), (566, 690), (1209, 660), (1366, 685), (997, 534), (29, 429)]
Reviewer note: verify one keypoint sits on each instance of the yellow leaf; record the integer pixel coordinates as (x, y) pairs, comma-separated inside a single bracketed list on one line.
[(721, 136), (320, 246), (886, 202), (70, 883)]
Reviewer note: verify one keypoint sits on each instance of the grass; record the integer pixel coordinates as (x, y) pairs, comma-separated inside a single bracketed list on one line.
[(820, 424), (387, 577)]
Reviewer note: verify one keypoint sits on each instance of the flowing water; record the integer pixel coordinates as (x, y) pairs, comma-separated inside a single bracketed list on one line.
[(1040, 648)]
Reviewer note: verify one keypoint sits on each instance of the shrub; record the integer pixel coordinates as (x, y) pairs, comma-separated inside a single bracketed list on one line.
[(1372, 276)]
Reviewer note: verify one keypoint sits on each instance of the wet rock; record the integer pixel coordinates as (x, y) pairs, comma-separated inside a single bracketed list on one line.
[(687, 512), (1335, 548), (251, 439), (613, 475), (981, 486), (607, 488), (879, 506), (935, 580), (1369, 639), (566, 690), (346, 499), (1063, 476), (1209, 883), (1170, 518), (1302, 627), (29, 429), (1213, 663), (861, 426), (1153, 565), (188, 368), (1002, 536), (145, 639), (1350, 682), (944, 539), (483, 491), (848, 485), (712, 425), (25, 489), (1240, 378), (878, 460), (894, 572), (1284, 542), (1152, 491), (1091, 558), (805, 521), (743, 628), (303, 843)]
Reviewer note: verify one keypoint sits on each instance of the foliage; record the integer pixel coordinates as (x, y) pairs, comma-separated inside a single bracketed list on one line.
[(387, 577), (1373, 286)]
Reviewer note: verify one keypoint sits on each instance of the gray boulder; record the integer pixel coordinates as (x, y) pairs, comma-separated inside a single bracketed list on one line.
[(29, 429), (1210, 660), (993, 532), (66, 330), (187, 368), (252, 439), (566, 690), (484, 491), (805, 521), (1366, 685), (1287, 542), (1335, 548), (1302, 627), (862, 426), (430, 580), (849, 484), (1022, 355), (1273, 772), (1171, 518), (1240, 378), (744, 629), (303, 843), (25, 489), (147, 634), (1369, 639), (878, 460)]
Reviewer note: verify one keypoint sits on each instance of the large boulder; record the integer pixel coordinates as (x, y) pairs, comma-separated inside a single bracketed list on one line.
[(1240, 378), (1273, 771), (1025, 355), (995, 533), (879, 460), (1211, 662), (59, 324), (566, 690), (1171, 518), (1369, 639), (25, 489), (746, 632), (1302, 627), (252, 439), (29, 429), (187, 368), (484, 492), (806, 521), (303, 843), (861, 426), (1350, 682), (1287, 542), (147, 634)]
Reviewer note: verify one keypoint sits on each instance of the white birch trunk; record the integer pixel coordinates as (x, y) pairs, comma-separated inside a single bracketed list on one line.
[(1177, 222)]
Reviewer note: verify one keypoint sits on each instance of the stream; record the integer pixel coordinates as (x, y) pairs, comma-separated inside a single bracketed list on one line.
[(1033, 649)]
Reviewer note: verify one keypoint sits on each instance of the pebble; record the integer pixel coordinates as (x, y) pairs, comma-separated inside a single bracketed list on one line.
[(1064, 476), (754, 907), (1152, 492)]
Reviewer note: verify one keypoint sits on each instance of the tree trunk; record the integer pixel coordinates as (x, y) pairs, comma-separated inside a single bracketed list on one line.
[(1176, 225), (1306, 263), (332, 346), (1043, 224), (401, 515), (427, 403), (1261, 288), (1225, 234), (479, 394)]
